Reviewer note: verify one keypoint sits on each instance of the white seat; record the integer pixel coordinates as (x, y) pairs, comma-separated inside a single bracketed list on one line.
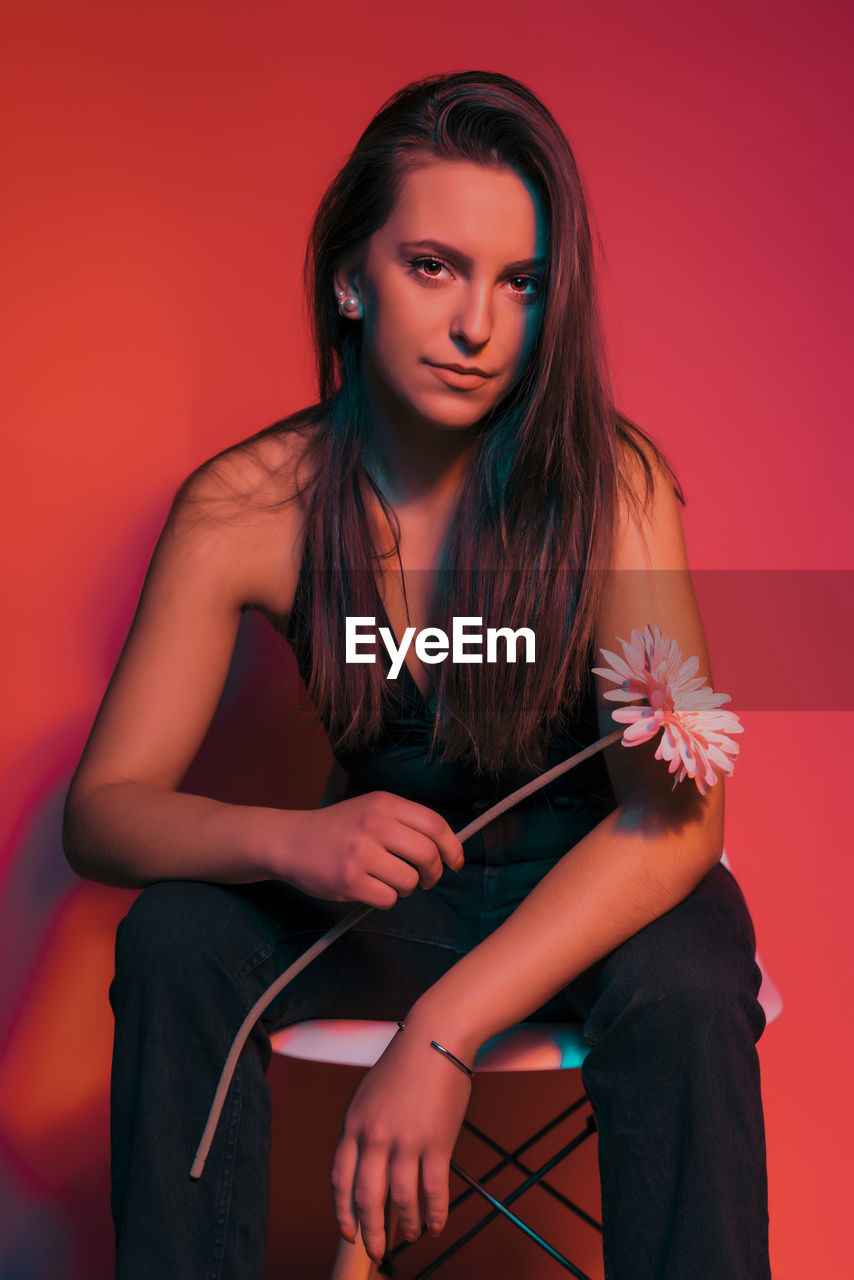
[(769, 996), (528, 1046)]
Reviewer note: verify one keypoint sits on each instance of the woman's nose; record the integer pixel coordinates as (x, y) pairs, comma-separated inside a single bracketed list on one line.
[(472, 321)]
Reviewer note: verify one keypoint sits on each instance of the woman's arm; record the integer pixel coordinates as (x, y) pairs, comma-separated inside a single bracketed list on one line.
[(640, 861), (125, 822)]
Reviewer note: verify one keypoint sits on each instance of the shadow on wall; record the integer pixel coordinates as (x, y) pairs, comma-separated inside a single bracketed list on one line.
[(58, 934)]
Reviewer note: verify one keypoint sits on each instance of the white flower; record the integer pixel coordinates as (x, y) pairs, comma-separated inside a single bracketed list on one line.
[(679, 702)]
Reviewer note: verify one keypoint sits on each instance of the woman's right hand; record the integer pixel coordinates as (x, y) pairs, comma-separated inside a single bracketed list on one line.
[(371, 848)]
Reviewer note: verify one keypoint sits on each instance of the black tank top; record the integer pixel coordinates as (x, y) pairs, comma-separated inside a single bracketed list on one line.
[(398, 761)]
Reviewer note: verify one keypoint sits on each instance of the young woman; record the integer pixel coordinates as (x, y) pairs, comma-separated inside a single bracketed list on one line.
[(464, 461)]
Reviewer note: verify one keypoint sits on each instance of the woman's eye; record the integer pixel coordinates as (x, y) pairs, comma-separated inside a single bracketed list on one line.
[(525, 282), (428, 265)]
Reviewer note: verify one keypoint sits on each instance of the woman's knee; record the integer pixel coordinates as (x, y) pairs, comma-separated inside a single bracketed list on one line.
[(176, 931), (692, 970)]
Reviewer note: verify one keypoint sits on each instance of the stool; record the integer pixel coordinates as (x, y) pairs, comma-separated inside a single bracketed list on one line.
[(530, 1046)]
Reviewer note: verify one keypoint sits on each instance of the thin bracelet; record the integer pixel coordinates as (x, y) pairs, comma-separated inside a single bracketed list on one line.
[(401, 1026)]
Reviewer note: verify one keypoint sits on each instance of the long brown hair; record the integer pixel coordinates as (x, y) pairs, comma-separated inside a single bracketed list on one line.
[(535, 521)]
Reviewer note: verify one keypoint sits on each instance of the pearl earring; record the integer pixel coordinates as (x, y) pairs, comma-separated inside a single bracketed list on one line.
[(349, 306)]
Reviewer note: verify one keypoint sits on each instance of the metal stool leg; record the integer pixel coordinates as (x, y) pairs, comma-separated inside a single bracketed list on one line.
[(512, 1157), (534, 1177)]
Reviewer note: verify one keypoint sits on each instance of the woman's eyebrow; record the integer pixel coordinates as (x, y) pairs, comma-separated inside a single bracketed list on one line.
[(522, 264)]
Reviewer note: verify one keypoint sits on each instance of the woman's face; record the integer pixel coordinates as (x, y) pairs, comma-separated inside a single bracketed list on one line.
[(452, 278)]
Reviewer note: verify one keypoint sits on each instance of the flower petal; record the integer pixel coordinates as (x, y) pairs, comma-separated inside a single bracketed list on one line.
[(694, 739), (640, 731), (618, 663), (628, 715), (689, 668), (717, 757)]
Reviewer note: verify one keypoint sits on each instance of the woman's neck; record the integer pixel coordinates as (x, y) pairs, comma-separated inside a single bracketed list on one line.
[(415, 463)]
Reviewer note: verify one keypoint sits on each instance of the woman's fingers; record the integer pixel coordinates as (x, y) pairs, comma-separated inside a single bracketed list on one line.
[(377, 835), (403, 1188), (370, 1188), (434, 1181), (343, 1172), (406, 857), (400, 875), (422, 836), (363, 1179), (435, 828), (375, 892)]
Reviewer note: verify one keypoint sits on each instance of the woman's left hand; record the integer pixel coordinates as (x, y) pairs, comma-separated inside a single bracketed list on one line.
[(403, 1121)]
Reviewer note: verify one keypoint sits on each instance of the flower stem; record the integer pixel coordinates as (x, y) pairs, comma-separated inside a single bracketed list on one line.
[(343, 925), (542, 781)]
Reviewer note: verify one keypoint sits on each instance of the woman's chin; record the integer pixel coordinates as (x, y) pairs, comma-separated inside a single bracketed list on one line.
[(445, 414)]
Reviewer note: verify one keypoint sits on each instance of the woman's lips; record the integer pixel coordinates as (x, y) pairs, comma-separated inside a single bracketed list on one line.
[(462, 381)]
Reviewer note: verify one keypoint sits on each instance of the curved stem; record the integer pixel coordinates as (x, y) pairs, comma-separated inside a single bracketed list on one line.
[(343, 925)]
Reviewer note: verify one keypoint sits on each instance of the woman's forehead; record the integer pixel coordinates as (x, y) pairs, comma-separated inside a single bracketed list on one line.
[(470, 206)]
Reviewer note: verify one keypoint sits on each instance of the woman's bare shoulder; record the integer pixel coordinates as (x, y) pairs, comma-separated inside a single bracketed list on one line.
[(249, 476), (246, 506), (643, 469), (648, 504)]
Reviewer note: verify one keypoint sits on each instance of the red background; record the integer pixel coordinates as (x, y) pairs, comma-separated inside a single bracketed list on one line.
[(162, 167)]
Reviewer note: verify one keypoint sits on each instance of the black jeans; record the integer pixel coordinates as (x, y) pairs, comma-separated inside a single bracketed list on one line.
[(671, 1016)]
